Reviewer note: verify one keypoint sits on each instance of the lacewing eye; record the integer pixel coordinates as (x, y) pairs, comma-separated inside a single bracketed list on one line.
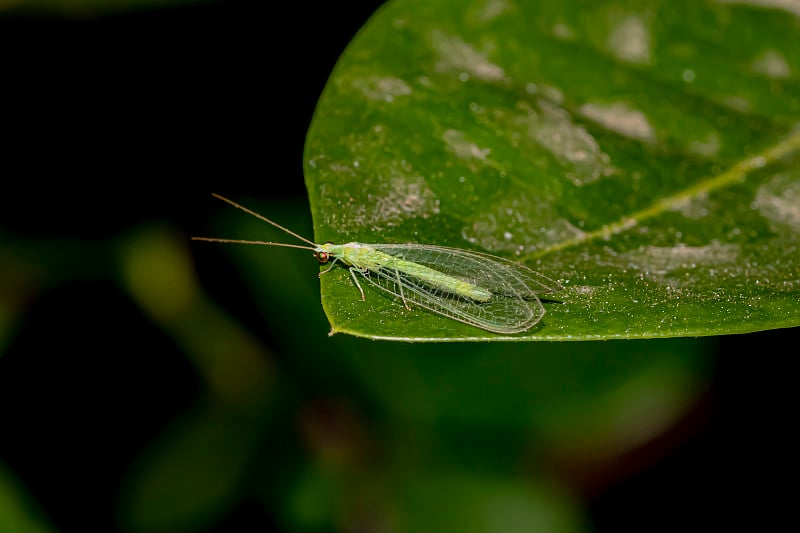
[(322, 257)]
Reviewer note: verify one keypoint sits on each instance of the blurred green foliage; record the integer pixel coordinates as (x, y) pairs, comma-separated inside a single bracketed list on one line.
[(384, 429), (18, 511), (85, 8)]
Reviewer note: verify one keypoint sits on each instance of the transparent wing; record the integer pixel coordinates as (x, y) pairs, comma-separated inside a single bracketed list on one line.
[(513, 307)]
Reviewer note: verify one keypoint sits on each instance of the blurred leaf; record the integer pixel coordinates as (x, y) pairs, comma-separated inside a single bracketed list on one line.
[(467, 504), (193, 473), (644, 154), (579, 399), (311, 501), (18, 512), (157, 272), (283, 282), (414, 500), (589, 400), (86, 7)]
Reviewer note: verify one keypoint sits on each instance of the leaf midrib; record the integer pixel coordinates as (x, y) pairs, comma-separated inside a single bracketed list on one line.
[(733, 175)]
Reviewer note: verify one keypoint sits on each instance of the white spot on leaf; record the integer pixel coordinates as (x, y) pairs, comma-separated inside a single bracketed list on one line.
[(790, 6), (544, 131), (695, 207), (553, 129), (458, 143), (629, 41), (563, 31), (737, 103), (456, 55), (659, 262), (490, 10), (707, 146), (778, 201), (397, 193), (772, 64), (381, 88), (621, 118), (519, 225)]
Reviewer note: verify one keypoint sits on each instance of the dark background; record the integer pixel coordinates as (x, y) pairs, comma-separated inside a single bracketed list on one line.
[(115, 120)]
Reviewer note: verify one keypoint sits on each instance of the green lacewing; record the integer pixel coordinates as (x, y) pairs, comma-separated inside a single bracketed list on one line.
[(482, 290)]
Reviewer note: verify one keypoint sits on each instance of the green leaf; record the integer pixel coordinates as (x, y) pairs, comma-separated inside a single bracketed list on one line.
[(190, 476), (592, 398), (18, 511), (585, 393), (470, 413), (644, 155), (90, 7), (469, 503)]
